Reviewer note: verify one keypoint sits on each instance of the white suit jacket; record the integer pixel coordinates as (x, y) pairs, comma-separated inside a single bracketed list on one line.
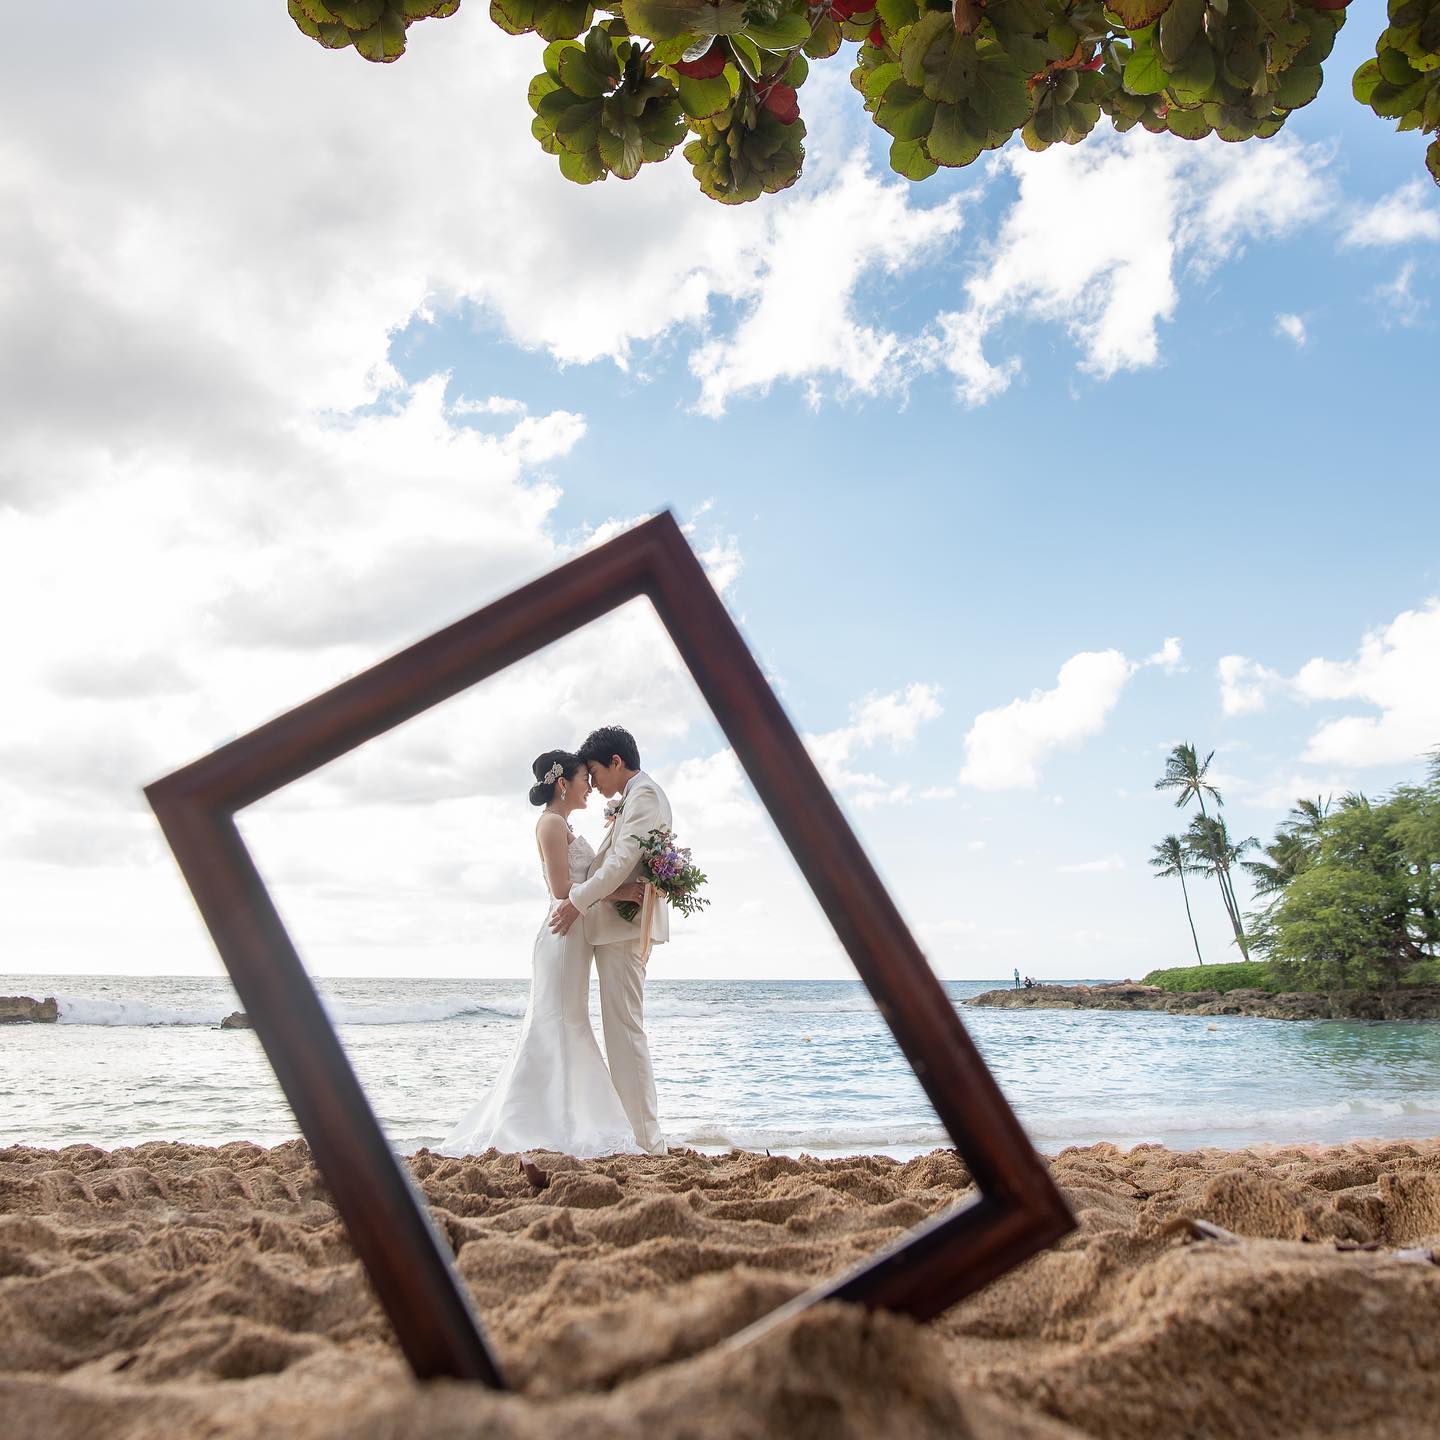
[(618, 861)]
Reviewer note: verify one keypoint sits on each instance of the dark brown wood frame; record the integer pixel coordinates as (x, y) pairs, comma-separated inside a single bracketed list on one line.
[(1019, 1211)]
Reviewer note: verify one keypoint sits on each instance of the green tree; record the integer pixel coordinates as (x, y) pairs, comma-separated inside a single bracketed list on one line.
[(1188, 775), (1363, 909), (1416, 825), (1333, 928), (625, 81), (1294, 848), (1169, 859)]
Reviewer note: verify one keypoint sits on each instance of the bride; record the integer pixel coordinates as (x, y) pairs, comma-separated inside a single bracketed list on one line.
[(554, 1092)]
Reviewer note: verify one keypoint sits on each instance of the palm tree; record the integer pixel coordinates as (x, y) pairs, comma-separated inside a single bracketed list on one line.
[(1295, 848), (1170, 859), (1307, 821), (1212, 852), (1186, 773)]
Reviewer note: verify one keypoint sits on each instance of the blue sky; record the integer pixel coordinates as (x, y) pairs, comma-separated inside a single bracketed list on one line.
[(282, 407)]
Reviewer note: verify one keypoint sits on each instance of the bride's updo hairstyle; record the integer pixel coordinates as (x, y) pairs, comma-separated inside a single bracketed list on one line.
[(543, 791)]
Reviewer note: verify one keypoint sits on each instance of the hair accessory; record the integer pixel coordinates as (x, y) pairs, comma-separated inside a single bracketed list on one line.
[(553, 773)]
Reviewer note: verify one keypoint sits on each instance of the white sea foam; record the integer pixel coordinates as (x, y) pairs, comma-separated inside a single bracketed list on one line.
[(91, 1010), (848, 1139), (421, 1012), (85, 1010), (1174, 1125)]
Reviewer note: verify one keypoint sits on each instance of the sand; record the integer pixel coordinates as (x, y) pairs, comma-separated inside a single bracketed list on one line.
[(179, 1290)]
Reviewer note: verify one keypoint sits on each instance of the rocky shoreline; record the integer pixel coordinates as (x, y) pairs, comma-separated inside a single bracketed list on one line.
[(22, 1010), (1421, 1002)]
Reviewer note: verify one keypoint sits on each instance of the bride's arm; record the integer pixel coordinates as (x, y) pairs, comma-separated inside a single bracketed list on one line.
[(554, 843)]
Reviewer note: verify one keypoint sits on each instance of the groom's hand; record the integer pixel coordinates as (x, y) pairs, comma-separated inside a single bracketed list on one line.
[(564, 917)]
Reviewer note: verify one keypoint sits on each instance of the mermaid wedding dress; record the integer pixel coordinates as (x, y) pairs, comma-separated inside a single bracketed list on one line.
[(554, 1092)]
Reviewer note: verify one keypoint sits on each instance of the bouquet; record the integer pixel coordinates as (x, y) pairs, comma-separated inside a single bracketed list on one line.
[(668, 869)]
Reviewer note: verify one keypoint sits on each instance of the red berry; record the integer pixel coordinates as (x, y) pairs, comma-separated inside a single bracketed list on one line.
[(708, 66), (877, 37), (782, 102), (844, 9)]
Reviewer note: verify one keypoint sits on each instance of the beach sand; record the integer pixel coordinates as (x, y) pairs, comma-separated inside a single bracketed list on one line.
[(178, 1290)]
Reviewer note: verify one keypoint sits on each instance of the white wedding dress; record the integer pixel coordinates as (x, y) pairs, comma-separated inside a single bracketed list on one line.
[(554, 1092)]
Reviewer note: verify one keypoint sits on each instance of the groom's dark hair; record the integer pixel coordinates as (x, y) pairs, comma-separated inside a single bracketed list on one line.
[(608, 741)]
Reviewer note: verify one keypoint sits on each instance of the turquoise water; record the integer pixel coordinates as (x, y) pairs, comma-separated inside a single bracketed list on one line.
[(785, 1065)]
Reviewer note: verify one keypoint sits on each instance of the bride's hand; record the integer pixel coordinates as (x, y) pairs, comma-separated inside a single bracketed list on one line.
[(634, 892)]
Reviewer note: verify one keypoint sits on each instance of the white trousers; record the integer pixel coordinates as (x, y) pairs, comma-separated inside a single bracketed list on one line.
[(622, 1017)]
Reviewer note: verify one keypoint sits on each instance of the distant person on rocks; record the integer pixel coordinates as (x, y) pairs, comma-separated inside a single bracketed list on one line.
[(1017, 977)]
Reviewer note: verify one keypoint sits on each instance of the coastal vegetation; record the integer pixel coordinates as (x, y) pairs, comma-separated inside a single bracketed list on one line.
[(627, 82), (1238, 975), (1351, 887), (1355, 890)]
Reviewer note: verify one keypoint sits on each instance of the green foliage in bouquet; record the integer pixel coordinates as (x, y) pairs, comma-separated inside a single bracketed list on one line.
[(946, 80), (1402, 82)]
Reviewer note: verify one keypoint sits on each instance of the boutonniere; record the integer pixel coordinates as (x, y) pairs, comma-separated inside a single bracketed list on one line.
[(613, 808)]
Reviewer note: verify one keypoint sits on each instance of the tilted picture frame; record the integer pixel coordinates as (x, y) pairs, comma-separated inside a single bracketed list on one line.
[(1018, 1210)]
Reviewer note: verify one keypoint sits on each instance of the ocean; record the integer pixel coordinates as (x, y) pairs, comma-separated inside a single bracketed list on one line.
[(788, 1066)]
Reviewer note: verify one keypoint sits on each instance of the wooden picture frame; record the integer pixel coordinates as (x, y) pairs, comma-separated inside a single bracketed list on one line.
[(1019, 1210)]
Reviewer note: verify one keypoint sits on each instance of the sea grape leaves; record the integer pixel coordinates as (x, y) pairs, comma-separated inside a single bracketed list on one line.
[(946, 80)]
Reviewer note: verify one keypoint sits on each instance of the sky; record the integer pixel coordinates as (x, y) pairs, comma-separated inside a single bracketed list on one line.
[(1013, 480)]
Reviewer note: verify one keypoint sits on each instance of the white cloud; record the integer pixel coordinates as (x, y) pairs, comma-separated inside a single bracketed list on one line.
[(1292, 327), (1005, 748), (1249, 193), (891, 721), (1401, 305), (1094, 240), (201, 269), (1245, 685), (802, 321), (1092, 867), (1396, 672), (494, 405), (1168, 656), (1400, 218)]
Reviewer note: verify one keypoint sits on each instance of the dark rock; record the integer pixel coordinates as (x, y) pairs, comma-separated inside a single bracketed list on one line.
[(236, 1020), (1416, 1002), (21, 1010)]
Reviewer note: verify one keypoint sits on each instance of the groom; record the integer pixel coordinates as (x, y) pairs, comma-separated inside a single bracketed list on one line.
[(614, 763)]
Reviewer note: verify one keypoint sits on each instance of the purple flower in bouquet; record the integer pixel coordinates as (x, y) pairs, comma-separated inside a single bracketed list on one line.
[(668, 868)]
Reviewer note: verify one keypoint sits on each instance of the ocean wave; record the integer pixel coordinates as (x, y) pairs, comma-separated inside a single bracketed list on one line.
[(87, 1010), (419, 1012), (84, 1010), (853, 1139), (660, 1005), (1119, 1123)]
